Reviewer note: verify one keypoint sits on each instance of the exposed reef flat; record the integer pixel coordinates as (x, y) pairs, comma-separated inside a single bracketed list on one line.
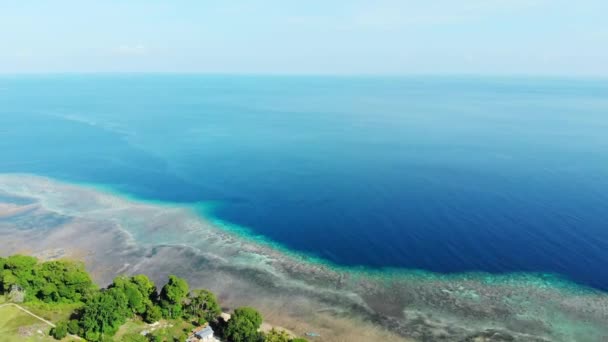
[(116, 235)]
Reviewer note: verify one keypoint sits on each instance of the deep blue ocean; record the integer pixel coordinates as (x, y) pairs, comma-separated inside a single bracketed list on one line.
[(446, 174)]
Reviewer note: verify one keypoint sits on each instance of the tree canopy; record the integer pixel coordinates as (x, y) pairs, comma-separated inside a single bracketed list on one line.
[(51, 281), (202, 304), (275, 335), (243, 325), (102, 311), (59, 331), (140, 292), (172, 296)]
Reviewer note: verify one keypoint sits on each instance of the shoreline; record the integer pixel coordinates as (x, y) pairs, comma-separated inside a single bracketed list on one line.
[(121, 234)]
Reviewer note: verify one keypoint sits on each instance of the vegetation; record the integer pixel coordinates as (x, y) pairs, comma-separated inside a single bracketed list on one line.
[(243, 325), (176, 331), (104, 313), (97, 314), (13, 320), (134, 337), (172, 297), (60, 330), (73, 327), (139, 290), (202, 306), (277, 336), (50, 282)]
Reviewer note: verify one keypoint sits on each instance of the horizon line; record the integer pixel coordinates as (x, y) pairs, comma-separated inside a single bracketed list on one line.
[(296, 74)]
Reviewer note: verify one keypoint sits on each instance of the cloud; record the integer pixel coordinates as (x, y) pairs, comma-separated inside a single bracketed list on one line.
[(131, 50)]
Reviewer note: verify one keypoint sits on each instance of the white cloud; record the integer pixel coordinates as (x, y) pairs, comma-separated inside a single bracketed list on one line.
[(131, 50)]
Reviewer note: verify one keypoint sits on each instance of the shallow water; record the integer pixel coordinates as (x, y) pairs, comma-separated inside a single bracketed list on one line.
[(115, 235), (441, 174)]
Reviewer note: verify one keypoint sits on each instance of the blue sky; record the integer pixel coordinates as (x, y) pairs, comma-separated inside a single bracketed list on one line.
[(554, 37)]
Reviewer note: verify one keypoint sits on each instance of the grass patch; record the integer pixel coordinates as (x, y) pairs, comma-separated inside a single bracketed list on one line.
[(166, 330), (133, 326), (173, 329), (54, 312), (18, 326)]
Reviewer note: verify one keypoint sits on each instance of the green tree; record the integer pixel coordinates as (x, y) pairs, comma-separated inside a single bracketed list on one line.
[(172, 311), (141, 295), (19, 263), (60, 330), (243, 325), (299, 339), (135, 299), (73, 327), (172, 296), (51, 281), (275, 335), (145, 285), (61, 281), (92, 335), (8, 280), (19, 270), (202, 304), (104, 313), (175, 290), (153, 314)]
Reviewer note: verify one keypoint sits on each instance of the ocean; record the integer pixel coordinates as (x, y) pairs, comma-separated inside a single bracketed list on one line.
[(442, 174)]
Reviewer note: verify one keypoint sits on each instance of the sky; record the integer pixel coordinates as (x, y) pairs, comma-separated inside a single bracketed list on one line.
[(544, 37)]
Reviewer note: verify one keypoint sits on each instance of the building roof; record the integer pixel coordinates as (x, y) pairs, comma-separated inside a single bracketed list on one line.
[(205, 332)]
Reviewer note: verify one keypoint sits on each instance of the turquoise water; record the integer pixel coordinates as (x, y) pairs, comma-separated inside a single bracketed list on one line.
[(439, 174)]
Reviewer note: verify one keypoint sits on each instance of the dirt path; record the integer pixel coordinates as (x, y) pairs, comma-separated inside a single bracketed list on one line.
[(35, 316), (28, 312)]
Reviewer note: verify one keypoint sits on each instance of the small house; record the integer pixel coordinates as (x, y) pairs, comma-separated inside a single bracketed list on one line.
[(203, 333)]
